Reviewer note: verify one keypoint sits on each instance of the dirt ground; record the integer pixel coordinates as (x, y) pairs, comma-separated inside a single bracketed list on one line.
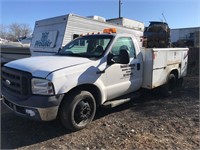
[(150, 122)]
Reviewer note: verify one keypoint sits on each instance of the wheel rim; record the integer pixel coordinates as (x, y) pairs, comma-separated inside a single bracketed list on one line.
[(83, 112)]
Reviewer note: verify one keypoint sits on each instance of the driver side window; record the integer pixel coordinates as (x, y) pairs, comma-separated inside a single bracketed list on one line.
[(123, 43)]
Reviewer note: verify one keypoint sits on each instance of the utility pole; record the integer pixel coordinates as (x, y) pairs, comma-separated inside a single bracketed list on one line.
[(120, 3)]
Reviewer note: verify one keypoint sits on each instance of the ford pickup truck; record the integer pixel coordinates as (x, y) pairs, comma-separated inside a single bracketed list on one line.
[(90, 71)]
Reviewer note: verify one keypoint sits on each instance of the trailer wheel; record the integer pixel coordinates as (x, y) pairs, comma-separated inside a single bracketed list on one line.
[(77, 110), (168, 88)]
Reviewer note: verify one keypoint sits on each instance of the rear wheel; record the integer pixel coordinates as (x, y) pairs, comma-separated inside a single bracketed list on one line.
[(77, 110), (180, 83), (168, 88)]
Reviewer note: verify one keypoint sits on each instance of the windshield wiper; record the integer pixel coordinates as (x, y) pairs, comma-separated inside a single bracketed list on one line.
[(79, 55), (72, 54)]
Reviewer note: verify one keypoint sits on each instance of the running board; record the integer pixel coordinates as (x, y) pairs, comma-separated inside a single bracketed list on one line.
[(121, 100), (114, 103)]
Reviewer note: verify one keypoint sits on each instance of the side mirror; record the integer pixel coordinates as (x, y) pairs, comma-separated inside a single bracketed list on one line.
[(124, 56)]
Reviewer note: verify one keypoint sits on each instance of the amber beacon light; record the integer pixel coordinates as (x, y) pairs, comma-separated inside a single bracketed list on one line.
[(110, 30)]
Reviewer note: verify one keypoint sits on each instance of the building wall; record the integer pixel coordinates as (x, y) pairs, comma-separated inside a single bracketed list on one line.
[(186, 34), (196, 38)]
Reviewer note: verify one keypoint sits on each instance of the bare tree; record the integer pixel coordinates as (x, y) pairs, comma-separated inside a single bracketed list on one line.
[(15, 31), (25, 30), (3, 31)]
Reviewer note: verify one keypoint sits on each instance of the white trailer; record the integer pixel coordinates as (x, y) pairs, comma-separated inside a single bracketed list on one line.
[(129, 23), (52, 34)]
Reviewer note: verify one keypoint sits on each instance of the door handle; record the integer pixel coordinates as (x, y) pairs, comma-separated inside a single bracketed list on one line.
[(138, 66)]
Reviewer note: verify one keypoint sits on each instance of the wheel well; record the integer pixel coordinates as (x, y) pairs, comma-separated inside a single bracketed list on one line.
[(90, 88), (175, 72)]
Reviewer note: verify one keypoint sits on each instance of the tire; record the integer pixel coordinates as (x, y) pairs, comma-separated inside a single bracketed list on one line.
[(180, 83), (168, 88), (78, 110)]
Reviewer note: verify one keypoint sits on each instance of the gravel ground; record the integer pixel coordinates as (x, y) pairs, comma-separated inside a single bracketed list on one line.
[(150, 122)]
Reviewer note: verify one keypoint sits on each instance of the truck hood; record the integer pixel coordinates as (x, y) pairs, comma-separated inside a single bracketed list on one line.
[(42, 66)]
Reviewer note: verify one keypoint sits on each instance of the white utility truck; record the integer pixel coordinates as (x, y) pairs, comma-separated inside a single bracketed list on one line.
[(90, 71)]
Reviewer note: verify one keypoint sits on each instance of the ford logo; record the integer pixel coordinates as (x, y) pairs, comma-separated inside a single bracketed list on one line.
[(8, 82)]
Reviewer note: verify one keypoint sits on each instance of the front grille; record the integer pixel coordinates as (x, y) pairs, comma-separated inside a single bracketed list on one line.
[(16, 82)]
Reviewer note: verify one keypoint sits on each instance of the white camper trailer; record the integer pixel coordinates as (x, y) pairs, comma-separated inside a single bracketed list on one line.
[(52, 34), (129, 23)]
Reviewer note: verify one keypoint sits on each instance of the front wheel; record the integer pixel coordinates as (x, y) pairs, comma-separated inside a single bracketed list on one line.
[(77, 110)]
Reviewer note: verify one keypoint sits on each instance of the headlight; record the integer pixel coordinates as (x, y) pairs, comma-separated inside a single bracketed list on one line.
[(42, 86)]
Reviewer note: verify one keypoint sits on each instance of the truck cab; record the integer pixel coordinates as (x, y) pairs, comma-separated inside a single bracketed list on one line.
[(106, 65)]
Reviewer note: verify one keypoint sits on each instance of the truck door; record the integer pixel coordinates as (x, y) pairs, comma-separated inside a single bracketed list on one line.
[(122, 79)]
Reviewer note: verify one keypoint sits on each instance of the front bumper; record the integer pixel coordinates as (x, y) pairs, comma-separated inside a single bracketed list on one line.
[(41, 108)]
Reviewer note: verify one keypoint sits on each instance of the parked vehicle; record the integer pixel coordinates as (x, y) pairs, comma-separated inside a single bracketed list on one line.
[(157, 35), (90, 71), (10, 53), (13, 50)]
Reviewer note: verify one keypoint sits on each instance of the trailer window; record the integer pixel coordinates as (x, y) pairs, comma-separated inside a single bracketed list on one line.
[(75, 36)]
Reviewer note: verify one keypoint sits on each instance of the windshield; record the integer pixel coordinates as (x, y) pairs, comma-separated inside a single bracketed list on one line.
[(92, 46)]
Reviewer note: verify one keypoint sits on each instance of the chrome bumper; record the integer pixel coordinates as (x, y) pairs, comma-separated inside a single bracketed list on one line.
[(43, 114)]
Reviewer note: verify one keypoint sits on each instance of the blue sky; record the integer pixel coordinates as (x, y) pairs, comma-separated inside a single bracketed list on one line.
[(178, 13)]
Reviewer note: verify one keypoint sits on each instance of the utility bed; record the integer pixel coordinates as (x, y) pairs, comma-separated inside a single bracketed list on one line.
[(159, 61)]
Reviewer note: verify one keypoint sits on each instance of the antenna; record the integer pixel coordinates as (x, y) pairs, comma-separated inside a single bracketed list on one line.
[(120, 3), (164, 17)]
